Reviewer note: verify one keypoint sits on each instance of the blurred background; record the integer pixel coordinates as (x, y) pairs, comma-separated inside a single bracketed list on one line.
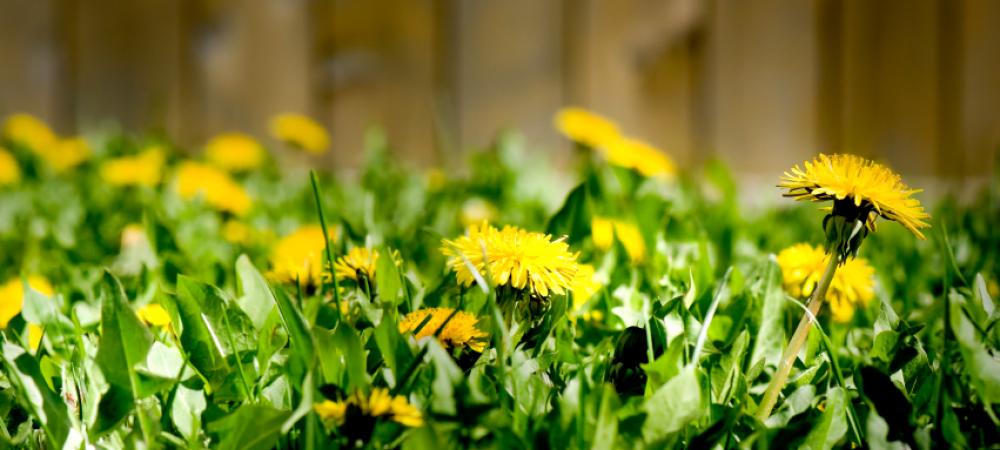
[(762, 84)]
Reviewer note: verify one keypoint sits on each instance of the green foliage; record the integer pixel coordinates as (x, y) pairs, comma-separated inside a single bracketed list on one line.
[(674, 352)]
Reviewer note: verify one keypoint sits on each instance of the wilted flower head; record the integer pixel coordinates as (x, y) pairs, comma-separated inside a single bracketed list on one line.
[(217, 188), (144, 169), (871, 188), (802, 266), (586, 127), (460, 331), (300, 256), (12, 296), (377, 405), (10, 171), (29, 131), (300, 131), (513, 257), (236, 152)]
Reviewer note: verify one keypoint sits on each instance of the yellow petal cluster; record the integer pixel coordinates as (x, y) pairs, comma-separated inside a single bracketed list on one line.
[(513, 256), (586, 127), (300, 131), (640, 156), (35, 333), (154, 315), (584, 285), (217, 188), (802, 266), (10, 171), (235, 152), (65, 154), (144, 169), (868, 184), (460, 331), (12, 296), (379, 404), (602, 135), (604, 230), (300, 256), (29, 131), (358, 260)]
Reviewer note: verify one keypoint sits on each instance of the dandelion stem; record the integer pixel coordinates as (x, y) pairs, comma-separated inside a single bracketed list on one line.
[(795, 344)]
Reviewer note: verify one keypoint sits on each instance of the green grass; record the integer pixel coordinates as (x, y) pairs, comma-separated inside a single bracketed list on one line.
[(248, 357)]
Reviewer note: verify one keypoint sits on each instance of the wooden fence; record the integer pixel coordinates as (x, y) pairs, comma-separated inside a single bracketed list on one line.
[(762, 83)]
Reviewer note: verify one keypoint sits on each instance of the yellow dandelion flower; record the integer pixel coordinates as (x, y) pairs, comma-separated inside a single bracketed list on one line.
[(300, 131), (640, 156), (236, 152), (513, 257), (10, 171), (144, 169), (154, 315), (584, 285), (331, 413), (586, 127), (216, 186), (460, 331), (802, 267), (357, 261), (602, 232), (35, 333), (476, 210), (65, 154), (631, 238), (300, 256), (379, 404), (12, 296), (29, 131), (869, 186)]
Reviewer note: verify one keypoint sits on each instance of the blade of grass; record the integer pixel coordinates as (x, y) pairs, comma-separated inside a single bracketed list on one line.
[(329, 248)]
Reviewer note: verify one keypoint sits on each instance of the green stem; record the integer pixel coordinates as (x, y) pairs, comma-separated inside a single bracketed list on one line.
[(798, 339), (329, 249)]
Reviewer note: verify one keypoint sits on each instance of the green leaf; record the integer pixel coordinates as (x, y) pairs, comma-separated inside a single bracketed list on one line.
[(673, 406), (387, 278), (300, 339), (832, 426), (185, 412), (39, 308), (124, 344), (251, 427), (573, 218), (982, 367), (606, 430), (770, 338), (34, 394), (200, 339), (256, 298)]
